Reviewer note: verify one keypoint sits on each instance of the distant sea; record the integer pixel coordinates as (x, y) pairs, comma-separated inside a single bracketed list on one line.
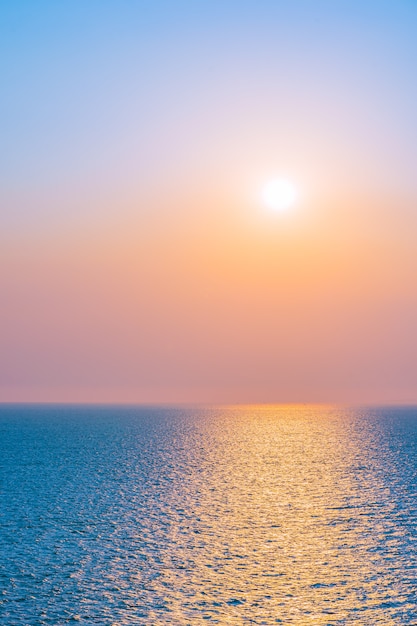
[(229, 515)]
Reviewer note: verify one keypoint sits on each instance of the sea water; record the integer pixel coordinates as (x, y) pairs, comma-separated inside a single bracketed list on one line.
[(227, 515)]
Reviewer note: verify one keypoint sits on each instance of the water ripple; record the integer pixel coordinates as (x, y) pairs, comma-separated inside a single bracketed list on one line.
[(260, 515)]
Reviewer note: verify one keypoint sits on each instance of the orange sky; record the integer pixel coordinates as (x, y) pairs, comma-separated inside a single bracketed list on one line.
[(137, 262), (208, 305)]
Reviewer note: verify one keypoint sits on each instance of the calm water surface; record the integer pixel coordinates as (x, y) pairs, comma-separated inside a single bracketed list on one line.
[(254, 515)]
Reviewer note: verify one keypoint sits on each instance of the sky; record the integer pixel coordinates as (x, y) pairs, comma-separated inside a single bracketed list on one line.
[(138, 262)]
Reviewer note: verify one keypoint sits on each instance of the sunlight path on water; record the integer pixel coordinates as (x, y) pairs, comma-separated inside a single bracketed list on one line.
[(292, 515)]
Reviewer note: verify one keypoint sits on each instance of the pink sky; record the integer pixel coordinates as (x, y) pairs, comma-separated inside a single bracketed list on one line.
[(207, 305)]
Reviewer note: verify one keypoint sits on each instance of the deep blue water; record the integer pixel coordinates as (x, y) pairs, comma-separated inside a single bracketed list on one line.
[(257, 515)]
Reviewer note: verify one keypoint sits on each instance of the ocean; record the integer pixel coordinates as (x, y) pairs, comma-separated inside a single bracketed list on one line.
[(116, 515)]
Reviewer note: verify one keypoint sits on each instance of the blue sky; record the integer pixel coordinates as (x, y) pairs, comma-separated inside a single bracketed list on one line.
[(98, 93)]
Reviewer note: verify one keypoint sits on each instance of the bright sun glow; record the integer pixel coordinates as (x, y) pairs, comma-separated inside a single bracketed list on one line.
[(279, 194)]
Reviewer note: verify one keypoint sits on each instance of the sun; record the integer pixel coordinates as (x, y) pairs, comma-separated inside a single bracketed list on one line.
[(279, 194)]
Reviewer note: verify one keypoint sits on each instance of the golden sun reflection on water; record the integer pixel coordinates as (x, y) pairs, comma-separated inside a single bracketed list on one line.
[(260, 515), (280, 522)]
